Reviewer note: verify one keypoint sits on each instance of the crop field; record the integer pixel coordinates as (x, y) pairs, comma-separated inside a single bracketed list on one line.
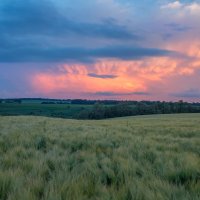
[(133, 158), (38, 109)]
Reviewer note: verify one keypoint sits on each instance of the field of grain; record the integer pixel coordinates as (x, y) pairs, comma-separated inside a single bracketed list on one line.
[(141, 158)]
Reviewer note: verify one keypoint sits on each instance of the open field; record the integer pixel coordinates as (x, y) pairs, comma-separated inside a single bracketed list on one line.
[(38, 109), (142, 158)]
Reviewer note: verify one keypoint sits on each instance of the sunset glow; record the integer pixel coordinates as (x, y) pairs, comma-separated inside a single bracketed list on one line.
[(113, 52)]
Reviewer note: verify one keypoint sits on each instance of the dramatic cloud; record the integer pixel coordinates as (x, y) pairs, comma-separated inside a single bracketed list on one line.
[(192, 93), (104, 76), (79, 54), (188, 8), (113, 94), (178, 27), (173, 5), (122, 49), (41, 18)]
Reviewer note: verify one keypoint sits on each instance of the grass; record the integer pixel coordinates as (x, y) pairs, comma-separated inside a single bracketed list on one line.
[(48, 110), (140, 158)]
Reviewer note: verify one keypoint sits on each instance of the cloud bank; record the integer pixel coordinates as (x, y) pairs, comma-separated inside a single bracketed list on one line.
[(123, 49)]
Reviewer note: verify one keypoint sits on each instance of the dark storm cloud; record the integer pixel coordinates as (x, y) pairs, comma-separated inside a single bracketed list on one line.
[(39, 54), (192, 93), (178, 27), (139, 93), (130, 52), (32, 31), (103, 76), (34, 17), (36, 31)]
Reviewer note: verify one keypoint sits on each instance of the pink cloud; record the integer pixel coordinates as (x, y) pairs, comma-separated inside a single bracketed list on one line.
[(158, 76)]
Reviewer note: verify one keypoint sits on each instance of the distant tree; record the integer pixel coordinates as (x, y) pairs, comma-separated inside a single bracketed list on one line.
[(127, 108), (180, 106), (98, 111), (141, 108), (48, 102), (19, 101), (84, 114)]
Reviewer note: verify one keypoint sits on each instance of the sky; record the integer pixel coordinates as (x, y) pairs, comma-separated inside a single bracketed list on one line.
[(100, 49)]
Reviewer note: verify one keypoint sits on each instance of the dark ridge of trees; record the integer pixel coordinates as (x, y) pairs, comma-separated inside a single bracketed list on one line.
[(100, 111), (18, 101), (48, 102), (92, 102)]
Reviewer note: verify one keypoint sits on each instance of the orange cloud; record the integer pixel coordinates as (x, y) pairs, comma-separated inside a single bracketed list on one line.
[(129, 77), (120, 77), (76, 79)]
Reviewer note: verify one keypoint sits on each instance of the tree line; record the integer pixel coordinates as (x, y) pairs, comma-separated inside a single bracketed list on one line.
[(101, 111)]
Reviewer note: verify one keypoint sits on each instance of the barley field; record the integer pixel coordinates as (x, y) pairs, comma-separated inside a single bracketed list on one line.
[(135, 158)]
